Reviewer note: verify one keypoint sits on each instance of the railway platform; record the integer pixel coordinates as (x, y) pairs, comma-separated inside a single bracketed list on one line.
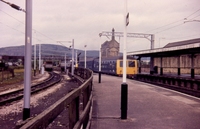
[(149, 106)]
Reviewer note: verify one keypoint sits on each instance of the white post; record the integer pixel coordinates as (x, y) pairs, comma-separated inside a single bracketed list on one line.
[(100, 58), (124, 44), (65, 63), (72, 57), (28, 51), (85, 55), (76, 59), (35, 48), (39, 57), (35, 58)]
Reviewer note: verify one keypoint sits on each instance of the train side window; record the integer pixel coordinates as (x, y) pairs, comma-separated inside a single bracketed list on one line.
[(121, 63), (131, 63)]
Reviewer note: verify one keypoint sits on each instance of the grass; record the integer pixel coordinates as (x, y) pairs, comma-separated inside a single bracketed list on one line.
[(7, 79)]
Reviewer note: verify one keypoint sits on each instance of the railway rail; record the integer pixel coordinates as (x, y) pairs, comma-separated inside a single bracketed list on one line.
[(11, 96)]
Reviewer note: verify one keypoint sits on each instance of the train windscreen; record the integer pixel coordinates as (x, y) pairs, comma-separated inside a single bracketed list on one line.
[(131, 63)]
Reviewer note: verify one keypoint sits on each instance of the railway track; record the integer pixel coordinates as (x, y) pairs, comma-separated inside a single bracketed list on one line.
[(11, 96)]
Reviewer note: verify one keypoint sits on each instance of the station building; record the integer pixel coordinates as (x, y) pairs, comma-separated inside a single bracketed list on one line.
[(110, 48)]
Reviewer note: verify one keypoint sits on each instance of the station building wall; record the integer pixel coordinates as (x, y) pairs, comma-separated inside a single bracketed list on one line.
[(170, 64)]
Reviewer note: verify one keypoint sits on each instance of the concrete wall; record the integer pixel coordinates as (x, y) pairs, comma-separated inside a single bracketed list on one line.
[(170, 64)]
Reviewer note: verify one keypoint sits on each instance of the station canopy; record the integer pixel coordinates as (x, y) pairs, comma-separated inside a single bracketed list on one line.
[(171, 49)]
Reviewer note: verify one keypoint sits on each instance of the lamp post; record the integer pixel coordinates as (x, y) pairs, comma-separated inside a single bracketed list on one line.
[(76, 62), (34, 67), (100, 60), (72, 57), (40, 58), (85, 55), (35, 48), (65, 63)]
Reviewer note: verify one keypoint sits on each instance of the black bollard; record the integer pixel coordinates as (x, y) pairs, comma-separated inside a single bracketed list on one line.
[(26, 113), (99, 77), (124, 100), (161, 70), (192, 73), (179, 71)]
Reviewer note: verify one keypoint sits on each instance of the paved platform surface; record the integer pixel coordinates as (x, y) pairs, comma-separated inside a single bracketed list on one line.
[(149, 106)]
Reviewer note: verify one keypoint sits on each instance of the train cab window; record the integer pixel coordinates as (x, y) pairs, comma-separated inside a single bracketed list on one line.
[(131, 63)]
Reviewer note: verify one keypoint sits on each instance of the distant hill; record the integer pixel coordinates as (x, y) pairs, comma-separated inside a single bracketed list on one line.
[(12, 51), (46, 49)]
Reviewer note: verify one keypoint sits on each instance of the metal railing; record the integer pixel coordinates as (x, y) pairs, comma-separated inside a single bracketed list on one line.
[(72, 102)]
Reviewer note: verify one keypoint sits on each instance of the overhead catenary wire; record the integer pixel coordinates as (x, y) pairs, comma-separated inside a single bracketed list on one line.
[(195, 17), (169, 28), (164, 25), (19, 31), (182, 37), (12, 28), (12, 17), (20, 9), (181, 20), (192, 13), (32, 29)]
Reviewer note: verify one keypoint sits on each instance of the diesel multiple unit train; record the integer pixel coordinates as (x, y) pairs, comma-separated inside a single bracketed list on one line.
[(112, 66)]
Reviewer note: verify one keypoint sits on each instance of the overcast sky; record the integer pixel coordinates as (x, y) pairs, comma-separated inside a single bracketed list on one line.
[(83, 20)]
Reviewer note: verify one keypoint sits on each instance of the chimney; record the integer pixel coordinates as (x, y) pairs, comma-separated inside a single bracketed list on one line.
[(113, 34)]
